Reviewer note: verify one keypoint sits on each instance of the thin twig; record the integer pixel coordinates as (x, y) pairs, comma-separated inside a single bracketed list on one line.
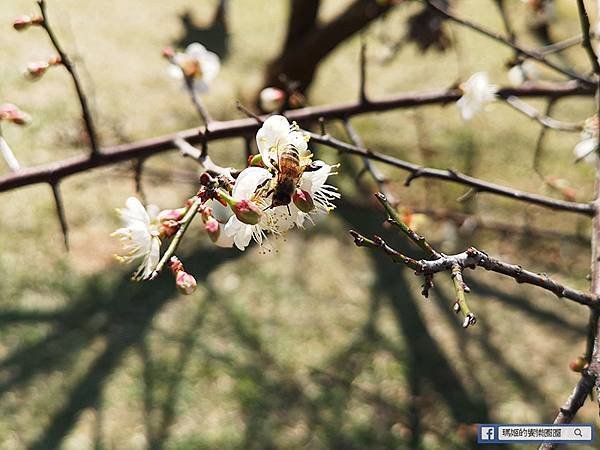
[(543, 119), (417, 171), (461, 299), (499, 38), (586, 41), (175, 241), (395, 220), (60, 212), (362, 93), (70, 66), (539, 145), (377, 176)]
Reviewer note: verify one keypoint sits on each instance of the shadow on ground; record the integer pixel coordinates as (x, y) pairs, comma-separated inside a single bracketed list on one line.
[(271, 398)]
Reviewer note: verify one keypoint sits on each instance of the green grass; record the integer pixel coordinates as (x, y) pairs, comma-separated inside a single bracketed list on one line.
[(316, 345)]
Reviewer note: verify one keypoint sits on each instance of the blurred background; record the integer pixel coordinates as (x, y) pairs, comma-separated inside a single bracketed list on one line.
[(318, 344)]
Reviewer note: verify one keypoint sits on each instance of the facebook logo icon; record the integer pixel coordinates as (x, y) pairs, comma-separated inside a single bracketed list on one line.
[(486, 433)]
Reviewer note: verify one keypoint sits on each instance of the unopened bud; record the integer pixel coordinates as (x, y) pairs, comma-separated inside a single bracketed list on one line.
[(35, 70), (303, 201), (171, 214), (245, 210), (168, 52), (213, 229), (255, 161), (175, 265), (185, 282), (23, 22), (54, 60), (13, 114), (169, 227), (578, 364), (271, 99)]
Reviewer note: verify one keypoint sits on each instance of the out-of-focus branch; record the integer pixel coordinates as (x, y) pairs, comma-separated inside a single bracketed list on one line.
[(573, 404), (243, 127), (70, 67), (544, 119), (417, 171), (591, 376), (60, 212), (368, 165), (586, 34), (499, 38)]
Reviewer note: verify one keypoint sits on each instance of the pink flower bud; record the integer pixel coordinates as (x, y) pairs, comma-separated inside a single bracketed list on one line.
[(171, 214), (22, 22), (271, 99), (169, 227), (212, 227), (175, 265), (36, 69), (168, 52), (185, 282), (13, 114), (25, 21), (245, 210), (578, 364), (303, 201)]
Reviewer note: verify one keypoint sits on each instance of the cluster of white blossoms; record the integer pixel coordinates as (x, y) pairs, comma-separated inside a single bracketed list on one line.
[(280, 189)]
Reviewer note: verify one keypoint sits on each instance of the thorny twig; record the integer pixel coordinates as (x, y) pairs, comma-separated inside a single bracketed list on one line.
[(70, 67), (499, 38)]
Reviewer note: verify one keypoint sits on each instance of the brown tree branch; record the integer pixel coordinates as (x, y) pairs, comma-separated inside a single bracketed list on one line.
[(244, 127), (70, 67)]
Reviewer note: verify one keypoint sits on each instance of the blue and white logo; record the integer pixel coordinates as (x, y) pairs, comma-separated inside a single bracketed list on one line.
[(487, 433)]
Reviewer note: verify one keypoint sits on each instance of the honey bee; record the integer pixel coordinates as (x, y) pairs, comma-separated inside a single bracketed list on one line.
[(289, 172)]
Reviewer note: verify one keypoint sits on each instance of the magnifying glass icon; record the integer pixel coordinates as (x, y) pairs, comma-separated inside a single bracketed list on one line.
[(577, 432)]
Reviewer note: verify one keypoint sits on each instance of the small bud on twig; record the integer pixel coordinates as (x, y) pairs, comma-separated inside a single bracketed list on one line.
[(25, 21)]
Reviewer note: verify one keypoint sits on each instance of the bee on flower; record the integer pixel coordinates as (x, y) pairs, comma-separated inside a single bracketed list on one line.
[(195, 65), (280, 189)]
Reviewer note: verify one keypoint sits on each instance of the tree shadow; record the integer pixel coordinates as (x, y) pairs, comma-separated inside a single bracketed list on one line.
[(213, 33), (271, 397), (120, 315)]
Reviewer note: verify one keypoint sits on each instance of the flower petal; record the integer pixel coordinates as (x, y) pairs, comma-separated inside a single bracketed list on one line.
[(248, 180)]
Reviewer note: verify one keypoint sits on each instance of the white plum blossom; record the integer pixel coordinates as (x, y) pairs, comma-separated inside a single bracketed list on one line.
[(139, 236), (586, 148), (477, 93), (313, 182), (276, 135), (271, 99), (523, 72), (244, 189), (197, 64)]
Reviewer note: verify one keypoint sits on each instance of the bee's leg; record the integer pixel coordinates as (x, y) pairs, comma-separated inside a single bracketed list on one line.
[(289, 212)]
